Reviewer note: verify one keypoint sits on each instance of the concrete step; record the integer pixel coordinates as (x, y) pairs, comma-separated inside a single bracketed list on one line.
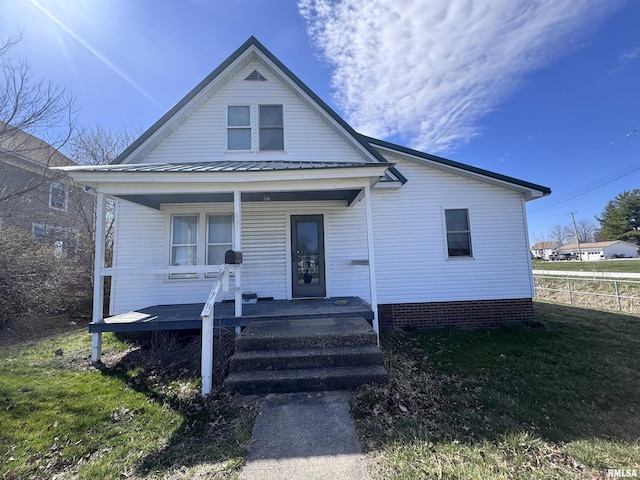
[(305, 333), (304, 380), (306, 358)]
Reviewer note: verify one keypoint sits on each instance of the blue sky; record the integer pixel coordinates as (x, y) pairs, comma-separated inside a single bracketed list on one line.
[(546, 91)]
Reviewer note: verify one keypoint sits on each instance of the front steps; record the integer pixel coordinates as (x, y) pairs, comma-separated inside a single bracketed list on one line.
[(298, 355)]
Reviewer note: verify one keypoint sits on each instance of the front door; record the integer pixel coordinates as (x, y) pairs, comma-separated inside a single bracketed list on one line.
[(307, 256)]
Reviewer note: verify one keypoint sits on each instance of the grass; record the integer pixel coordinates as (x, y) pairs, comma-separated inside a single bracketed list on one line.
[(617, 266), (140, 416), (559, 398)]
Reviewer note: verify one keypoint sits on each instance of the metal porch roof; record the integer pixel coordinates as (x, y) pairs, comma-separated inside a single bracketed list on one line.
[(222, 166)]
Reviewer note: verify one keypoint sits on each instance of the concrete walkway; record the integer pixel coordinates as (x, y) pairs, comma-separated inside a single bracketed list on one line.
[(306, 436)]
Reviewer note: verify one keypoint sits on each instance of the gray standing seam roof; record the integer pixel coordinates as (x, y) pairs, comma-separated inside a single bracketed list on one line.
[(227, 166)]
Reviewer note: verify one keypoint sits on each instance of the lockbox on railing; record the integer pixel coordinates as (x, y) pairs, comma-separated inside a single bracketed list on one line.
[(232, 258)]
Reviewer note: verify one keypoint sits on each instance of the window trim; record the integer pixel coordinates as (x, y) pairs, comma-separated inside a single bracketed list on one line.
[(270, 127), (254, 127), (201, 247), (447, 232), (65, 201), (239, 127)]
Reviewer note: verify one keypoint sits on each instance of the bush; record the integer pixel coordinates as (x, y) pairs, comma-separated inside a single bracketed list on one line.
[(35, 278)]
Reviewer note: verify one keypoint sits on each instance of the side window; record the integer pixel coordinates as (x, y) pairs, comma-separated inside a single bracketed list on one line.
[(239, 127), (219, 237), (271, 123), (458, 232), (58, 196)]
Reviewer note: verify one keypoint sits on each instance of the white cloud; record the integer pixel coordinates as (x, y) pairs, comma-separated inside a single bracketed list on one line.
[(630, 55), (428, 70)]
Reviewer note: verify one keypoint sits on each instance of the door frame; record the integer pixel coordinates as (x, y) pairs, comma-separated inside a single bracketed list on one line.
[(291, 217)]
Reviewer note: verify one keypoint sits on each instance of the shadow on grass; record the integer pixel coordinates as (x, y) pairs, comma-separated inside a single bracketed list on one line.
[(570, 376), (166, 368)]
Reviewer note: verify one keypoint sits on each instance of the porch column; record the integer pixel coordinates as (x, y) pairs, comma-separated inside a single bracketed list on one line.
[(98, 281), (372, 262), (237, 246)]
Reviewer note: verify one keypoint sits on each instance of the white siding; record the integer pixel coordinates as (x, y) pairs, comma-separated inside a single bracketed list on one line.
[(142, 242), (410, 240), (202, 137)]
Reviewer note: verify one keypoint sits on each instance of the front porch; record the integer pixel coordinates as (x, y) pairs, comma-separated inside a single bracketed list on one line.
[(187, 316)]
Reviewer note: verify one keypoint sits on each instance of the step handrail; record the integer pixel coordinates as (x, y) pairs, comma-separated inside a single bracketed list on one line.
[(221, 281)]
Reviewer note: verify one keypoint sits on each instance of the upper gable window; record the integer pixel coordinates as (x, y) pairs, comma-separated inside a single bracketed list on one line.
[(239, 127), (271, 127), (248, 123)]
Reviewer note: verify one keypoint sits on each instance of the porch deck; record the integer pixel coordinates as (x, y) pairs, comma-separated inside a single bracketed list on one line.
[(187, 316)]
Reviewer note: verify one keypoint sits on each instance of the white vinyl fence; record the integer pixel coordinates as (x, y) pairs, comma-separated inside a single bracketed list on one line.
[(605, 293)]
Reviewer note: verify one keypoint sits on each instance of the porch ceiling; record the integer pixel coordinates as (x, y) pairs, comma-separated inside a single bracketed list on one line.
[(156, 200)]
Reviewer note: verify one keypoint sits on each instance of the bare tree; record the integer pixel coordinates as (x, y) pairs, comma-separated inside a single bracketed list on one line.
[(36, 120), (96, 146), (561, 233), (586, 231)]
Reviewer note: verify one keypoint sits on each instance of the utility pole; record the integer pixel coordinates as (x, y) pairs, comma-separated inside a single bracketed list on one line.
[(575, 232)]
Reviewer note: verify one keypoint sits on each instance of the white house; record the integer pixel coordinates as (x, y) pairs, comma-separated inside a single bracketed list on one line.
[(602, 250), (544, 249), (252, 160)]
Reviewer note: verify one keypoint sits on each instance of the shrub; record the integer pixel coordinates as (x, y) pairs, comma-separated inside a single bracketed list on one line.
[(35, 278)]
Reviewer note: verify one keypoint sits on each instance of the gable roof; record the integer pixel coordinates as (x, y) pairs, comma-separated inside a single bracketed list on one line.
[(252, 44), (545, 245), (595, 245), (20, 146), (367, 146), (451, 164)]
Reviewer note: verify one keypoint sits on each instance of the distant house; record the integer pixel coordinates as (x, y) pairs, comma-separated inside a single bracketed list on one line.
[(37, 198), (252, 160), (602, 250), (542, 250)]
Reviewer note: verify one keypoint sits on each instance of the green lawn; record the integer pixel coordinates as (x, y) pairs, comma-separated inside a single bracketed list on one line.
[(141, 416), (620, 266), (559, 398)]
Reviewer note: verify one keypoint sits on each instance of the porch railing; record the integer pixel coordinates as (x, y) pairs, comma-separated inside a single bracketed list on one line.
[(221, 282)]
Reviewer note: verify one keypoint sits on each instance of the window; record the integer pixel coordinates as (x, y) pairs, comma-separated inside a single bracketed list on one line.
[(271, 127), (58, 196), (239, 127), (458, 232), (219, 237), (184, 240), (199, 239), (39, 230), (242, 121)]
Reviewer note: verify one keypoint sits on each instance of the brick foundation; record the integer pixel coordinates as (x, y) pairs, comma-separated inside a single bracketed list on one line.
[(466, 314)]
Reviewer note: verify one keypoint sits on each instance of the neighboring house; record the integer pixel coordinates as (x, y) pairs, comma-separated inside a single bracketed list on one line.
[(542, 250), (36, 198), (252, 160), (602, 250)]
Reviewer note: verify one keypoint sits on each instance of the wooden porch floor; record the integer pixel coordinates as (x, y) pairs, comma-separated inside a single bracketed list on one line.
[(187, 317)]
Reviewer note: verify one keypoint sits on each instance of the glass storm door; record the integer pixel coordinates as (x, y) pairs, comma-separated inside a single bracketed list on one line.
[(307, 255)]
